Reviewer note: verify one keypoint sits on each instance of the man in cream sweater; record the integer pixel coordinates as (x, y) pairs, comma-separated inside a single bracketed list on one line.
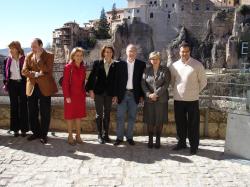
[(188, 79)]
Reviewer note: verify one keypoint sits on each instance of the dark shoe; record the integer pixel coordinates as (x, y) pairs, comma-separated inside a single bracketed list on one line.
[(101, 140), (23, 134), (131, 141), (16, 134), (107, 139), (44, 140), (179, 147), (150, 141), (150, 145), (32, 137), (158, 142), (117, 142), (193, 151)]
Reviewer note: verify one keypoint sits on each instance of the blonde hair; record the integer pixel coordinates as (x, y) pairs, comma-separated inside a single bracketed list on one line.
[(74, 51), (154, 54)]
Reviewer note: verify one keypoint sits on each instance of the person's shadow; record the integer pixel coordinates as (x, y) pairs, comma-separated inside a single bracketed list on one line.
[(57, 146)]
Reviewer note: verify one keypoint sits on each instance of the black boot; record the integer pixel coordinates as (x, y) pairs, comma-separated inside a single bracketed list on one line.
[(99, 129), (150, 140), (158, 141), (106, 130)]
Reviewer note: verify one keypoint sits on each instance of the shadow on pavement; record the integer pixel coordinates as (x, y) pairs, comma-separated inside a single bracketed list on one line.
[(56, 147), (139, 153)]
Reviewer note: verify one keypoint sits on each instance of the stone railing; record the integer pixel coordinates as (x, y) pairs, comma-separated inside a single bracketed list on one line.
[(212, 122)]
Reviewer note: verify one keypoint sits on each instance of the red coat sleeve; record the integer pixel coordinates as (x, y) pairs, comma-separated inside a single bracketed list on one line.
[(66, 81)]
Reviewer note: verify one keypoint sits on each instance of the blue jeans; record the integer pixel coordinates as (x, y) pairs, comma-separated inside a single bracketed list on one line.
[(127, 104)]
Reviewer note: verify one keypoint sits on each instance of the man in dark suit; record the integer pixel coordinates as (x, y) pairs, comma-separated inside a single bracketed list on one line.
[(128, 91)]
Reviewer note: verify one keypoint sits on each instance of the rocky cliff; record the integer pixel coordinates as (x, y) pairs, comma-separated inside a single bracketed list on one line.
[(137, 33), (211, 51)]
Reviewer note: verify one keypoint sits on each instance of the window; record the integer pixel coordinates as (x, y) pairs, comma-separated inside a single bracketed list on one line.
[(119, 16), (182, 7), (207, 7), (151, 15), (173, 5), (196, 6), (128, 17), (150, 2), (244, 48), (137, 10), (168, 15), (166, 5), (155, 3)]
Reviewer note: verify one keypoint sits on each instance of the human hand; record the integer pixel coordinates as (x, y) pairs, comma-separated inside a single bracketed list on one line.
[(68, 100), (153, 96), (114, 100), (92, 94)]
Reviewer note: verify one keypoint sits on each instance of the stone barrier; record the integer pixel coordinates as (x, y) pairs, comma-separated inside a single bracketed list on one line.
[(216, 122)]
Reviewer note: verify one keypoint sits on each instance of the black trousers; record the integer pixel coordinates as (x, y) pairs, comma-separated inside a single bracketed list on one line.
[(103, 105), (187, 118), (18, 106), (39, 103)]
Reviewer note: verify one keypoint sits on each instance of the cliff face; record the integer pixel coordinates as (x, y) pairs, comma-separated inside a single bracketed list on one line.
[(211, 51), (137, 33)]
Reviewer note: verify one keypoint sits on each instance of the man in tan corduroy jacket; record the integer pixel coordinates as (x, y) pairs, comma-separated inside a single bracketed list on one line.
[(38, 68)]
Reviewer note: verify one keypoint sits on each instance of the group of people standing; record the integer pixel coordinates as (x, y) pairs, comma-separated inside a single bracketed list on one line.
[(125, 83)]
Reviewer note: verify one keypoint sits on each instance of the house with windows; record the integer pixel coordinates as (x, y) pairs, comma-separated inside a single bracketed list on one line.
[(113, 22)]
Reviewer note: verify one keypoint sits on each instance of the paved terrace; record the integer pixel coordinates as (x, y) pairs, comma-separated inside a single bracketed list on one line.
[(24, 163)]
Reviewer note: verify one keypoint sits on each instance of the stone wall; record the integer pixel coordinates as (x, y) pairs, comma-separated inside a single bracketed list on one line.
[(216, 122)]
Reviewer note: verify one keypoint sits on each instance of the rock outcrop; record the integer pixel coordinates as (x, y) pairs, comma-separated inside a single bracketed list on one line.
[(211, 51), (137, 33)]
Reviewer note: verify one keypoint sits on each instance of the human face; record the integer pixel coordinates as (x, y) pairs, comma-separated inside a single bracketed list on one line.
[(108, 53), (155, 61), (78, 57), (36, 47), (13, 52), (131, 53), (185, 53)]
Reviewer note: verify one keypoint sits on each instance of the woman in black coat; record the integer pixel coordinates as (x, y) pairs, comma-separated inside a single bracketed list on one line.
[(100, 86)]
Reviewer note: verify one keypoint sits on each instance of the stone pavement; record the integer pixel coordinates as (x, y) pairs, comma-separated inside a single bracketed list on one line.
[(24, 164)]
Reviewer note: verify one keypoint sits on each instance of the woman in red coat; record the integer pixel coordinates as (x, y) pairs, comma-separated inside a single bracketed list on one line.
[(74, 93)]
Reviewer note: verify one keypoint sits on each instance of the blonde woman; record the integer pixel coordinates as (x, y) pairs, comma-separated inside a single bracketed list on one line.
[(74, 93), (155, 82)]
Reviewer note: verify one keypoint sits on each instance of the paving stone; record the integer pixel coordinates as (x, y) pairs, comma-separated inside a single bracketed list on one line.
[(24, 163)]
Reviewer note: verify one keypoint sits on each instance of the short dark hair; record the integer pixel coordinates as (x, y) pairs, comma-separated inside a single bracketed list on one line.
[(185, 44), (107, 47), (39, 41)]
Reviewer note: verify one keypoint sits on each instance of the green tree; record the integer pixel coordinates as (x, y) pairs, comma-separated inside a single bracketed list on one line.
[(103, 27), (114, 12)]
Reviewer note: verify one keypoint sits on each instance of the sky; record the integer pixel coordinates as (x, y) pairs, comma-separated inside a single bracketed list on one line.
[(24, 20)]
